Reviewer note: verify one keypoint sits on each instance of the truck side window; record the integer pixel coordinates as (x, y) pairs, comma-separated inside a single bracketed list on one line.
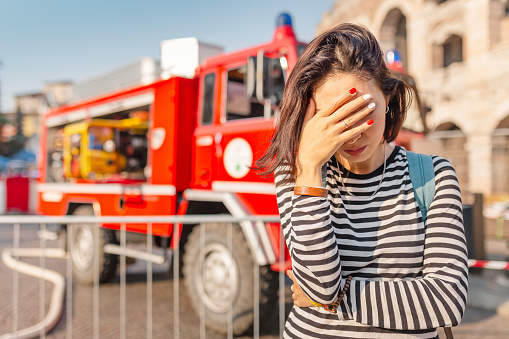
[(238, 106), (208, 99)]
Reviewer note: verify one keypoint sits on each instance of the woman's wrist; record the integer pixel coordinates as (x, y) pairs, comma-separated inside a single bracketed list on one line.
[(309, 177), (333, 308)]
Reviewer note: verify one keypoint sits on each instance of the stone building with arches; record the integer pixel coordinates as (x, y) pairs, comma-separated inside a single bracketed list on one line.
[(458, 53)]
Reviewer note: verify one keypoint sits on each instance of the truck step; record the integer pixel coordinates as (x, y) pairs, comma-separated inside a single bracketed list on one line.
[(156, 257)]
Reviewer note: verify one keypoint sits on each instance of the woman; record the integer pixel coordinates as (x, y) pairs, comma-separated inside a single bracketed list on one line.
[(406, 277)]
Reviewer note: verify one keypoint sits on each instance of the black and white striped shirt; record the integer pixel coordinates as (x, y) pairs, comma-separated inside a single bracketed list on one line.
[(409, 278)]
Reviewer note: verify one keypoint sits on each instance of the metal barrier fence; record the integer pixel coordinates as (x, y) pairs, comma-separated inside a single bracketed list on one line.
[(62, 292)]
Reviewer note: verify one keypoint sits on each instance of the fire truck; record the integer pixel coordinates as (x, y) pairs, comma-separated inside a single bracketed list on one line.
[(179, 146)]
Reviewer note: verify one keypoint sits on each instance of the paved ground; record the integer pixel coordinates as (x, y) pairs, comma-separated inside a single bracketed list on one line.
[(477, 323)]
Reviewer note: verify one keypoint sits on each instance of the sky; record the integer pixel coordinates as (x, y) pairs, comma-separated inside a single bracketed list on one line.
[(59, 40)]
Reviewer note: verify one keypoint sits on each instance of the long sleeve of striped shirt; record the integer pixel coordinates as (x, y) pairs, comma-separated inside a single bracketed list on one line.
[(407, 275)]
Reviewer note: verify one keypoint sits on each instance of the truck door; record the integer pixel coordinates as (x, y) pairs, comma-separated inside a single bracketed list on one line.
[(205, 133), (247, 123)]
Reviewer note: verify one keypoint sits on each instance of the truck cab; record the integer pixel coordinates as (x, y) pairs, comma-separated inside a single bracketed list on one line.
[(238, 98), (239, 94)]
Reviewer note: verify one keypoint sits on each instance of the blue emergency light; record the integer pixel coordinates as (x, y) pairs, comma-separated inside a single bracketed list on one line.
[(284, 19)]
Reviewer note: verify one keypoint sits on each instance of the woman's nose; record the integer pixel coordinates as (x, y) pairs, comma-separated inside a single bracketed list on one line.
[(354, 139)]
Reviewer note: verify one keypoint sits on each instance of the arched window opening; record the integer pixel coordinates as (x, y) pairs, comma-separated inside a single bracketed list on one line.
[(393, 34), (500, 158), (447, 127), (453, 50), (438, 2)]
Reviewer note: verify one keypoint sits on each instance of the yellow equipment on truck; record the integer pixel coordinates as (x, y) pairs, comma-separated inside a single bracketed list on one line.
[(91, 148)]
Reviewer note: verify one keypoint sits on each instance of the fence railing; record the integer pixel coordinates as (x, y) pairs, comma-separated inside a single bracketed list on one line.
[(63, 296)]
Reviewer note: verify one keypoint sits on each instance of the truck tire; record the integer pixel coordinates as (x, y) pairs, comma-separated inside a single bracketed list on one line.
[(207, 269), (82, 249)]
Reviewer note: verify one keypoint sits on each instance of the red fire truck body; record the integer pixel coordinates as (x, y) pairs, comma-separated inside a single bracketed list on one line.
[(172, 102), (190, 161), (203, 134)]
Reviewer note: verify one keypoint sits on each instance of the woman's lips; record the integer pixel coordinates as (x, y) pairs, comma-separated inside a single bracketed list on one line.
[(355, 151)]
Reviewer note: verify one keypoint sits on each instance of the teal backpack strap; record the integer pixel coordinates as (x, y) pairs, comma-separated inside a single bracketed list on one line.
[(422, 175)]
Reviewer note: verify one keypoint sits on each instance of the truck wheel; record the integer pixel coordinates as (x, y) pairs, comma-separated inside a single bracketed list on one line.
[(223, 280), (83, 254)]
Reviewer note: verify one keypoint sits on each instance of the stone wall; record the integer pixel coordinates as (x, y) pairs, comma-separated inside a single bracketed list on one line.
[(468, 98)]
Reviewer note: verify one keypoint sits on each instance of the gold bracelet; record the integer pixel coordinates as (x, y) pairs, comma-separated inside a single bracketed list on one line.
[(315, 303), (313, 191)]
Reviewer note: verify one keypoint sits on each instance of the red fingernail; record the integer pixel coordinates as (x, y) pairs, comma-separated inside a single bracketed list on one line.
[(370, 122), (352, 90)]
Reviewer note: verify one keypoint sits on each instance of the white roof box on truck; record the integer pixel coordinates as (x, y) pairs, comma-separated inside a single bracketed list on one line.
[(142, 72), (180, 57)]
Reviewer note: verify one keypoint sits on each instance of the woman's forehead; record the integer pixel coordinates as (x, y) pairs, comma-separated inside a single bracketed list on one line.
[(343, 82)]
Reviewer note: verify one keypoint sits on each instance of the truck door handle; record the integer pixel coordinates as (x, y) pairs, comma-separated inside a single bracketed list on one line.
[(217, 140), (131, 196)]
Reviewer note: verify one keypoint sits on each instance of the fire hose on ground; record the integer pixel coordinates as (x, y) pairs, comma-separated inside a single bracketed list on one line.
[(9, 257)]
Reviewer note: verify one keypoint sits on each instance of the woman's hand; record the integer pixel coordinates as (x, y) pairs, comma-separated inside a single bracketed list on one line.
[(298, 296), (325, 131)]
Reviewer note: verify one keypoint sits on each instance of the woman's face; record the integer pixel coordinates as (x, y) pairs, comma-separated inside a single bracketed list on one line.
[(360, 148)]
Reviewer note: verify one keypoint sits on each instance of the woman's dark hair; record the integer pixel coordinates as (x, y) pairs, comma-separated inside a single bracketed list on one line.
[(346, 48)]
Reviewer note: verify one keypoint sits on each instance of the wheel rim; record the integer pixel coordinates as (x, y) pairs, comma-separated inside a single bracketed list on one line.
[(83, 247), (217, 278)]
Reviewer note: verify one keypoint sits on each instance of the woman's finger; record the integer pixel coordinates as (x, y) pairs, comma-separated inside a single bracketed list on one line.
[(335, 104), (352, 132), (351, 120), (350, 108)]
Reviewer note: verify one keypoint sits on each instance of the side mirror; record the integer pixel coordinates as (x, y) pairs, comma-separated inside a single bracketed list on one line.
[(258, 80), (251, 77)]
